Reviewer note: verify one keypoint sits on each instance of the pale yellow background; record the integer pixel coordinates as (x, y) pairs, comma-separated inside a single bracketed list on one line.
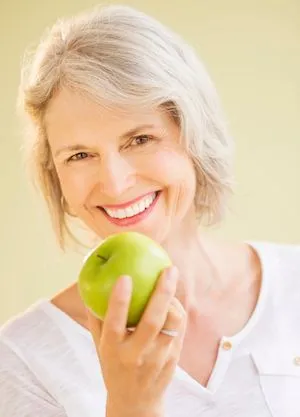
[(252, 50)]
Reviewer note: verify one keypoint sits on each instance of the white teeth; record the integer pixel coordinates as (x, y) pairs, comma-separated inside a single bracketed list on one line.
[(132, 210), (135, 209), (121, 214), (142, 206), (109, 212), (129, 212)]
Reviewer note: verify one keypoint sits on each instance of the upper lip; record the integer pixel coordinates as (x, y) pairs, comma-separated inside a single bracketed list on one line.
[(128, 203)]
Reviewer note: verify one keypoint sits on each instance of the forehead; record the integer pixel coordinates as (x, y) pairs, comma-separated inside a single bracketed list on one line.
[(71, 111)]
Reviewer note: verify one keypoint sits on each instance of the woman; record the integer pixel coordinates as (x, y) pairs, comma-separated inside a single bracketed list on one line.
[(128, 135)]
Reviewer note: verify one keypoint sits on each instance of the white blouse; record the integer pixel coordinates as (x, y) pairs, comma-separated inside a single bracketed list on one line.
[(49, 366)]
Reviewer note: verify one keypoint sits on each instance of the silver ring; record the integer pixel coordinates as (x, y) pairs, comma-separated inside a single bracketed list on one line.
[(171, 333), (131, 329)]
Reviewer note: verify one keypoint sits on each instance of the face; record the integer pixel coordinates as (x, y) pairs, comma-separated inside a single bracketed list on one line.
[(120, 171)]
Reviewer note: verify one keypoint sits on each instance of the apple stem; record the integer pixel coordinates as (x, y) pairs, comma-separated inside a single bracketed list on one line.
[(101, 257)]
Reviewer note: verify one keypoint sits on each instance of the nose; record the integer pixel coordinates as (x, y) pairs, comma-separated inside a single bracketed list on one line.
[(117, 175)]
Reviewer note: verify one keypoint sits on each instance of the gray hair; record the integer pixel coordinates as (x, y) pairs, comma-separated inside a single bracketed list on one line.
[(116, 55)]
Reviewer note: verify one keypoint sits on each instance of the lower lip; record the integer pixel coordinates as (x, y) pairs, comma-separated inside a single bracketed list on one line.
[(129, 221)]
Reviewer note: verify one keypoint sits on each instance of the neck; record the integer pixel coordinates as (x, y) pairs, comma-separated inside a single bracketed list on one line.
[(197, 260), (214, 277)]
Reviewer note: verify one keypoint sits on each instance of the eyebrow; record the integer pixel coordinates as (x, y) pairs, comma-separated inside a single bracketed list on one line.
[(126, 135)]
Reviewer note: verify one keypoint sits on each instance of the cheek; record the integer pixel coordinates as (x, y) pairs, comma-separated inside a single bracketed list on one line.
[(74, 185), (176, 171), (176, 168)]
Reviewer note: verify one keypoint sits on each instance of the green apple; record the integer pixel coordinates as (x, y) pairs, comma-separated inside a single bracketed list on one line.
[(127, 253)]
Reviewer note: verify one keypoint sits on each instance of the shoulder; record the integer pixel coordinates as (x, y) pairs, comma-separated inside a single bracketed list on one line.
[(21, 391), (288, 256), (281, 275), (287, 279), (281, 258), (24, 329), (275, 342), (29, 338), (18, 336)]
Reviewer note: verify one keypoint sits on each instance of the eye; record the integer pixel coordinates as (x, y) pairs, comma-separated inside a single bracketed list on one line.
[(141, 140), (78, 156)]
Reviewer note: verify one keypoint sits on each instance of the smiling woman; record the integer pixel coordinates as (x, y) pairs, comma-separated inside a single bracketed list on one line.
[(129, 136), (102, 71)]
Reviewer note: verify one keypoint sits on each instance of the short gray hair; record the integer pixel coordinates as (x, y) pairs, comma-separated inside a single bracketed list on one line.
[(117, 55)]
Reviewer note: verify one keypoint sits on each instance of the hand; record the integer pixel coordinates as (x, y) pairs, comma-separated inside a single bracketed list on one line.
[(137, 367)]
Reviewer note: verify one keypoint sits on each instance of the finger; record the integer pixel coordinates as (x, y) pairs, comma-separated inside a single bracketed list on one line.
[(175, 349), (173, 321), (156, 310), (163, 355), (157, 354), (115, 321), (178, 340), (95, 326)]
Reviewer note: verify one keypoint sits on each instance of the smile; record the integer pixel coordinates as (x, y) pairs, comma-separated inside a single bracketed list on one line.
[(132, 213)]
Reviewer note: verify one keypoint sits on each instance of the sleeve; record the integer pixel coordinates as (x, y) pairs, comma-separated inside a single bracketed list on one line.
[(21, 394)]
